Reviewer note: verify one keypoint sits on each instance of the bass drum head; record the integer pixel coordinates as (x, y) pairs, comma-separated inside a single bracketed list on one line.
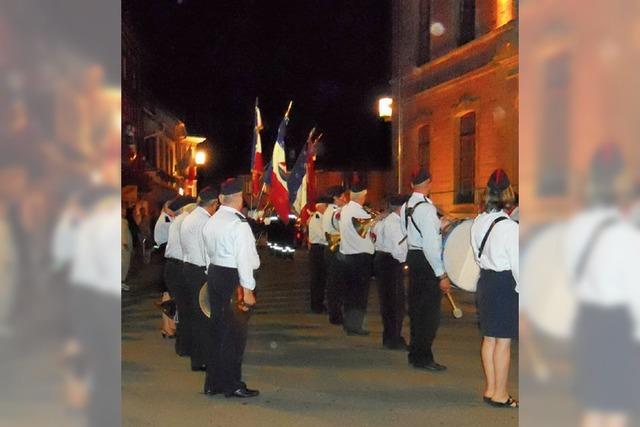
[(457, 256), (546, 295), (203, 299)]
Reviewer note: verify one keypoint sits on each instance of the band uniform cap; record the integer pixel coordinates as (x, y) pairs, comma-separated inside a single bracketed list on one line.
[(358, 187), (324, 199), (208, 193), (421, 176), (335, 191), (397, 200), (181, 202), (498, 181), (231, 186)]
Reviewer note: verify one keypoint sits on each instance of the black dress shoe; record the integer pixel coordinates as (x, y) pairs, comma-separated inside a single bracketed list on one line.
[(199, 368), (431, 366), (211, 392), (336, 321), (243, 393)]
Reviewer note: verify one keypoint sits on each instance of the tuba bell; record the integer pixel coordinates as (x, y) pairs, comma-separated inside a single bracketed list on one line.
[(203, 300), (364, 225), (333, 241)]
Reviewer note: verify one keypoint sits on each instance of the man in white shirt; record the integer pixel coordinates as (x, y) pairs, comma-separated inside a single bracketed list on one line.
[(358, 253), (427, 279), (196, 261), (391, 253), (334, 263), (317, 245), (231, 248), (174, 276)]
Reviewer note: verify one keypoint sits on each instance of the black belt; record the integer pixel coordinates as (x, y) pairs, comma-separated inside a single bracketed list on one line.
[(318, 244), (175, 261), (195, 265)]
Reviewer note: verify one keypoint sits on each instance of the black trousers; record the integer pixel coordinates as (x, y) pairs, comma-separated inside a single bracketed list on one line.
[(335, 285), (228, 329), (96, 325), (358, 273), (424, 307), (194, 278), (388, 273), (318, 277), (174, 278), (162, 285)]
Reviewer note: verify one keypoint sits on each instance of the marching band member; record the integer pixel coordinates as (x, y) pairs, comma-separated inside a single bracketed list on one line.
[(195, 265), (427, 279), (358, 254), (317, 246), (494, 239), (232, 250), (602, 254), (335, 267), (173, 274), (391, 254)]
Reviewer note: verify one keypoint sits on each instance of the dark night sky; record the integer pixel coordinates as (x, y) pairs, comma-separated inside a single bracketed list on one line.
[(208, 60)]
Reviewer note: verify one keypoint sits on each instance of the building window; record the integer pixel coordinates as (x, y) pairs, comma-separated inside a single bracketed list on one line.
[(466, 167), (467, 21), (424, 33), (424, 147), (554, 126)]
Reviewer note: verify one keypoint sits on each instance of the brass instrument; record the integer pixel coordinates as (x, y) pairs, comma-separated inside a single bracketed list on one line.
[(333, 241), (203, 300), (364, 225)]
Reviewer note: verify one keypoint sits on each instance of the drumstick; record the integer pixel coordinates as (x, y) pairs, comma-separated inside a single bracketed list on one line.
[(457, 312)]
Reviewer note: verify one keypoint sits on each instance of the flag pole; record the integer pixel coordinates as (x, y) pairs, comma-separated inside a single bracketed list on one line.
[(288, 109)]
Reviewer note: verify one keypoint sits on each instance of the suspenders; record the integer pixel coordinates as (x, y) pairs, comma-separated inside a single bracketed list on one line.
[(486, 236), (586, 254)]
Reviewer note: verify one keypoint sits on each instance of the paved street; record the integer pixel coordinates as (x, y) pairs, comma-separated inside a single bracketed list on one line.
[(308, 372)]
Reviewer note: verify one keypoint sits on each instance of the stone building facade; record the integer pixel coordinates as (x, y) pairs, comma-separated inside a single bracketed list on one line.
[(455, 91)]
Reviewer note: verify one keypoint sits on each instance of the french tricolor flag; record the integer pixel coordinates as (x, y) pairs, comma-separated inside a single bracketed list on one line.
[(279, 193), (257, 166)]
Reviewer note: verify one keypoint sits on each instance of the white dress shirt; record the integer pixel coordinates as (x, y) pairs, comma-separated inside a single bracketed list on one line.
[(95, 262), (426, 218), (191, 239), (161, 229), (316, 232), (174, 247), (230, 243), (610, 274), (331, 224), (388, 236), (350, 241), (501, 251)]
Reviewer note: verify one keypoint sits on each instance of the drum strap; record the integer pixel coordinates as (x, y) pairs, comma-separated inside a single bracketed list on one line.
[(586, 254), (408, 215), (486, 236)]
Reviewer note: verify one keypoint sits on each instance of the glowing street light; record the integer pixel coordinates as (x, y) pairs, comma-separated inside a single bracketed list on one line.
[(384, 108), (201, 157)]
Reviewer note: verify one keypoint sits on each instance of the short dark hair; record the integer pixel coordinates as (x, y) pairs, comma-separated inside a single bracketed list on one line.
[(206, 196), (496, 200)]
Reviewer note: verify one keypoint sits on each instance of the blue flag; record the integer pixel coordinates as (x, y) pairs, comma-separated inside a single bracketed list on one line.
[(297, 173)]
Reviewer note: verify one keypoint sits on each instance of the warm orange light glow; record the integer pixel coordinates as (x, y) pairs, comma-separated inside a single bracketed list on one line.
[(504, 12), (201, 157), (384, 107)]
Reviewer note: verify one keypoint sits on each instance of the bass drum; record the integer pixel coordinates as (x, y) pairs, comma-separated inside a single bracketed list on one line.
[(457, 255), (203, 300), (546, 296)]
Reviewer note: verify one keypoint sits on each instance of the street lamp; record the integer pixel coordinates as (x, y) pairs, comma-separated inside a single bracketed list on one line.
[(385, 109), (201, 158)]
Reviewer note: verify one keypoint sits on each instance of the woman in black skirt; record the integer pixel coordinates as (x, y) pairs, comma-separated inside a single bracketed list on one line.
[(494, 238)]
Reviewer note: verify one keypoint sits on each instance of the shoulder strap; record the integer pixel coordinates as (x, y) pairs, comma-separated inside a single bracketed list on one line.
[(586, 254), (408, 215), (486, 236)]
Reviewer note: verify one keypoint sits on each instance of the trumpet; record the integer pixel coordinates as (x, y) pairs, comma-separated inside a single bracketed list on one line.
[(333, 241), (364, 225)]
